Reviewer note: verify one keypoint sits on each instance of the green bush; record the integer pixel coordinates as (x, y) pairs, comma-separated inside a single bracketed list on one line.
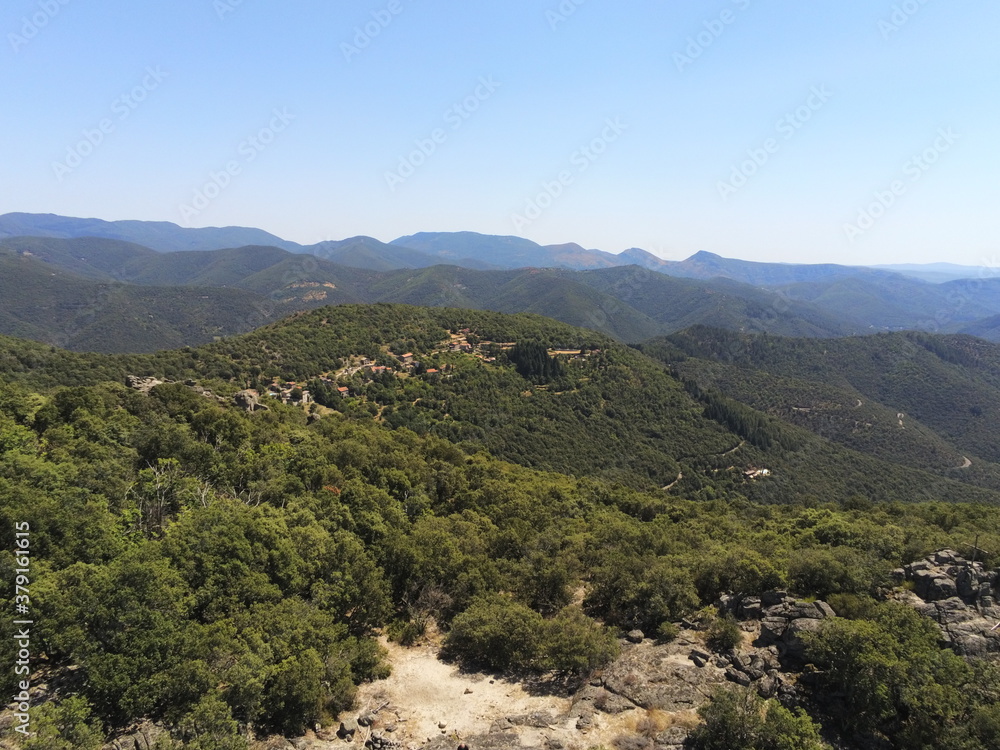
[(738, 719), (497, 633), (724, 634), (575, 643), (667, 631), (406, 632), (840, 570), (64, 725)]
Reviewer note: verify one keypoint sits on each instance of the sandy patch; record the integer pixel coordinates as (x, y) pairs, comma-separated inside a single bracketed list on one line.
[(423, 692)]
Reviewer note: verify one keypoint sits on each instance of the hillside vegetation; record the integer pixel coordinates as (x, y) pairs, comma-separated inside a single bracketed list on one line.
[(628, 302), (220, 570)]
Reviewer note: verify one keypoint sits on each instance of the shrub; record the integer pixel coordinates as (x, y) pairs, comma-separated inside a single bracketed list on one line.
[(724, 634), (667, 631), (575, 643), (496, 632), (66, 725), (741, 720), (823, 572), (406, 632), (851, 606)]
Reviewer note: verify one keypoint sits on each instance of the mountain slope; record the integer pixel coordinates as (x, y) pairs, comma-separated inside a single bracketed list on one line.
[(892, 303), (500, 251), (545, 292), (70, 311), (369, 253), (679, 303), (90, 257), (612, 413), (949, 384), (162, 236), (628, 303)]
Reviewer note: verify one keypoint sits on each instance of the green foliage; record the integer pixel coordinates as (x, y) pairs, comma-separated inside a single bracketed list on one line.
[(636, 592), (740, 720), (533, 362), (742, 571), (497, 633), (724, 633), (407, 632), (840, 570), (897, 681), (204, 566), (210, 726), (65, 724), (575, 643)]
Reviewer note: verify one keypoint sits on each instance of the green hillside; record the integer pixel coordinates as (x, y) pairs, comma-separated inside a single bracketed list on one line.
[(613, 413), (225, 572), (627, 303), (87, 315), (90, 257), (678, 303), (916, 399)]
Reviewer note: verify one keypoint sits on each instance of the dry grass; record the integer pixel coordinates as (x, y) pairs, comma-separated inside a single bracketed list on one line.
[(652, 722), (687, 719)]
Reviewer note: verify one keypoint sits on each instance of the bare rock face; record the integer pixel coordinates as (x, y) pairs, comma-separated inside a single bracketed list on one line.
[(784, 619), (248, 400), (960, 596), (143, 385), (143, 736), (661, 680)]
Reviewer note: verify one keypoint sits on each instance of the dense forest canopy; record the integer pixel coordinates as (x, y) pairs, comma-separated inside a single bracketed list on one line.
[(218, 569)]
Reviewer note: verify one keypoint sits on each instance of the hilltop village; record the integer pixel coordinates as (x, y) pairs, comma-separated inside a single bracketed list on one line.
[(436, 364)]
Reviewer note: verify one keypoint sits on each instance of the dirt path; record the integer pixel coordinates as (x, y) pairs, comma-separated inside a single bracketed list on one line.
[(680, 476)]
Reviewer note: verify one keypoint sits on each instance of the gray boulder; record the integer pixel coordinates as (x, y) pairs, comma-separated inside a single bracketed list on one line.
[(248, 399), (142, 384)]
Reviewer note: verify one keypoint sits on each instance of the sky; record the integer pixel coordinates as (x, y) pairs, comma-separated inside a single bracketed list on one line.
[(850, 131)]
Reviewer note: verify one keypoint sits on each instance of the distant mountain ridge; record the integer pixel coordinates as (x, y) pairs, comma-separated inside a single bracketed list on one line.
[(631, 303), (627, 302), (631, 296), (466, 249), (162, 236)]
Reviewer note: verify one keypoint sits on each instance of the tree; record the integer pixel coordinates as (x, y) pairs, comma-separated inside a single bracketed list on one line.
[(210, 726), (575, 643), (64, 725), (497, 633), (737, 719), (896, 680)]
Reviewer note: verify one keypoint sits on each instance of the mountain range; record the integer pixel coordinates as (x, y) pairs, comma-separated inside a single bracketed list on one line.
[(466, 249), (285, 473), (143, 286)]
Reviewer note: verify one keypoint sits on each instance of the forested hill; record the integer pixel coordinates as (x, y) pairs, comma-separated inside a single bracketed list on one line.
[(608, 411), (222, 568)]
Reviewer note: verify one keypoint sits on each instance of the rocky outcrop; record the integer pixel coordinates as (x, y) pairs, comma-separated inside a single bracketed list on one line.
[(959, 595), (783, 619), (249, 400), (141, 384), (143, 736), (654, 678)]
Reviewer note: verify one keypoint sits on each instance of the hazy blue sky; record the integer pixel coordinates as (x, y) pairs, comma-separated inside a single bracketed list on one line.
[(858, 131)]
